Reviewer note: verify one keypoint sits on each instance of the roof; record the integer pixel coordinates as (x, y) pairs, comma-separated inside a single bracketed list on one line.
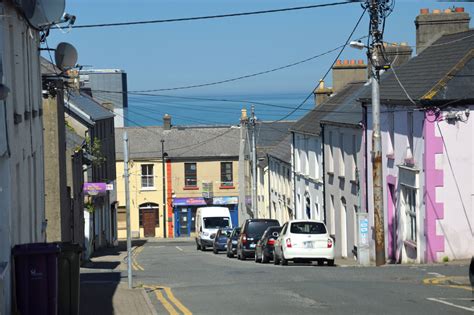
[(85, 107), (180, 142), (310, 123), (349, 110), (269, 135), (47, 68), (282, 150), (435, 70)]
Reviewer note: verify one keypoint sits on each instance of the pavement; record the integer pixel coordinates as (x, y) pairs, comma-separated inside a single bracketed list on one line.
[(104, 286)]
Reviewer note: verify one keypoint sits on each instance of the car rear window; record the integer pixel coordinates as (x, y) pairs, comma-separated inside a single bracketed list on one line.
[(308, 228), (257, 228), (216, 222)]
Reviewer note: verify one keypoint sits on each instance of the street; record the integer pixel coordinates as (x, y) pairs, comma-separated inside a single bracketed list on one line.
[(181, 280)]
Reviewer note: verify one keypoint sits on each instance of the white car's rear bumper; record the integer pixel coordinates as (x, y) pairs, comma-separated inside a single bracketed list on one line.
[(309, 253)]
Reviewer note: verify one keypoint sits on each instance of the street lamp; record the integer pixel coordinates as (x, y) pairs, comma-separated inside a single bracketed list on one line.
[(165, 212), (357, 44)]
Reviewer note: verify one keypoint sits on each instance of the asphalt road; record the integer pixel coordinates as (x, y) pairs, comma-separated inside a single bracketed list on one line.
[(181, 280)]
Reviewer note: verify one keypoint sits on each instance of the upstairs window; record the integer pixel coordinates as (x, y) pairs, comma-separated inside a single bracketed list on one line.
[(147, 176), (226, 174), (190, 174)]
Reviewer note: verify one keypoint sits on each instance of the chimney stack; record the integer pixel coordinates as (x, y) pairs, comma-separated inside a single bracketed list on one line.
[(397, 54), (321, 94), (166, 122), (348, 71), (431, 26)]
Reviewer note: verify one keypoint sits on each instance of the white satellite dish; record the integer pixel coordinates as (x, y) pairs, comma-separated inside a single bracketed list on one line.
[(41, 13), (65, 56)]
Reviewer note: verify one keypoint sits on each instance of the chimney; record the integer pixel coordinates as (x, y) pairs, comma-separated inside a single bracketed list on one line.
[(431, 26), (166, 122), (348, 71), (321, 94), (243, 115), (397, 54)]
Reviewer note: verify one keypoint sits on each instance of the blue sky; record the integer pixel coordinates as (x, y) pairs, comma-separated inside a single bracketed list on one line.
[(176, 54)]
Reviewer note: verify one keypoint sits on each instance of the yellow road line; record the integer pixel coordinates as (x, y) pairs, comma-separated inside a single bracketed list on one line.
[(176, 302), (159, 295), (439, 281), (463, 287), (134, 260)]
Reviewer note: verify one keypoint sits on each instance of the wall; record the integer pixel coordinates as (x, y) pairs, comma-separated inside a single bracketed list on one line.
[(281, 192), (21, 164), (454, 163), (343, 183)]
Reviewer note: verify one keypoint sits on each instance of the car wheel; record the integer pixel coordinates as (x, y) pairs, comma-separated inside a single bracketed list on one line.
[(320, 262), (276, 260), (330, 262), (265, 259), (284, 262), (215, 251), (197, 246), (230, 255), (203, 248)]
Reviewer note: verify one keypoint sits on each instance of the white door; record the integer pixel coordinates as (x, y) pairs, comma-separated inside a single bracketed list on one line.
[(343, 227)]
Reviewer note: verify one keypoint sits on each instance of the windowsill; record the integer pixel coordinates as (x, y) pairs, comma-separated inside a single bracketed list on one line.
[(409, 161), (341, 176), (353, 181), (410, 244), (330, 173), (191, 188), (390, 156), (227, 187), (148, 189)]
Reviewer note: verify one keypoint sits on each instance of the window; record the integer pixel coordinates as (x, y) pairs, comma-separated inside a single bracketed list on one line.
[(410, 135), (190, 175), (226, 174), (409, 195), (308, 207), (330, 153), (308, 228), (342, 164), (391, 133), (147, 176), (354, 158)]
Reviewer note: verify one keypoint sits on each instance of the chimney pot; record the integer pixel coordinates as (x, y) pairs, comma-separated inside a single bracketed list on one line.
[(361, 61), (459, 9), (166, 122), (353, 62), (447, 11), (243, 115), (339, 62), (424, 11), (346, 62), (436, 11)]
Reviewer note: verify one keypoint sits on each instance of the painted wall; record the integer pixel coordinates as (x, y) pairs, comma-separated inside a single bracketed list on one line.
[(308, 180), (281, 192), (21, 143), (344, 184), (402, 167), (455, 195)]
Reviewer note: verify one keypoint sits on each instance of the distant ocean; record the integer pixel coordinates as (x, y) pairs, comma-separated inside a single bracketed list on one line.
[(212, 110)]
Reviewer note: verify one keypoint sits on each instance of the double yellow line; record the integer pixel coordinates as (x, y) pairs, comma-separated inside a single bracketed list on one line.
[(166, 297), (441, 281), (135, 264)]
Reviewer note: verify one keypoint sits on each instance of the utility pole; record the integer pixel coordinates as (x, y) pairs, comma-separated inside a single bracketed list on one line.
[(254, 164), (127, 207), (378, 10), (165, 210)]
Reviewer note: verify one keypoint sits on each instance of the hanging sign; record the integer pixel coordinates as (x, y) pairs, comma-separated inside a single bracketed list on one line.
[(95, 189)]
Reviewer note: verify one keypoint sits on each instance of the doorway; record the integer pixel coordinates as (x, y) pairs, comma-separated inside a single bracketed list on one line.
[(149, 218), (343, 227)]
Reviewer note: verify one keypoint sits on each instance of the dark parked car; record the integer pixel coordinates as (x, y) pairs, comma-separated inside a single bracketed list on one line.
[(265, 247), (251, 232), (220, 240), (232, 242)]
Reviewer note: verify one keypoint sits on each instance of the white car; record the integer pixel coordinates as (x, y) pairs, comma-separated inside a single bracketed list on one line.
[(304, 240)]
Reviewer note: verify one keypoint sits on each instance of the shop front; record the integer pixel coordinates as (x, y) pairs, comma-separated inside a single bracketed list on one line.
[(185, 212)]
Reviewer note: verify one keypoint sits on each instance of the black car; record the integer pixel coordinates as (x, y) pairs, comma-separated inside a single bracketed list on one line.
[(220, 240), (265, 247), (232, 242), (251, 232)]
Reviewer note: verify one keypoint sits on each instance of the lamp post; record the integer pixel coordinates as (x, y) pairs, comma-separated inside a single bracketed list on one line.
[(165, 210)]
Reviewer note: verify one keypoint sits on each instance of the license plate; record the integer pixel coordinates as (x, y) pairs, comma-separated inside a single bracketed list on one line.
[(252, 245), (308, 244), (234, 242)]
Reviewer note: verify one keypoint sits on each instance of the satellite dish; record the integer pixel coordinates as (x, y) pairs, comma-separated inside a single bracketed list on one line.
[(65, 56), (41, 13)]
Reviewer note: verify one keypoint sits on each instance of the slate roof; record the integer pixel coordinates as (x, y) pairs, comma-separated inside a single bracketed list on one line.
[(180, 142), (349, 110), (86, 104), (310, 123), (269, 134), (439, 63), (282, 150), (47, 68)]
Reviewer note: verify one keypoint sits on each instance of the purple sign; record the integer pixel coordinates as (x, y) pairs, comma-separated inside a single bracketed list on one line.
[(95, 189), (198, 201)]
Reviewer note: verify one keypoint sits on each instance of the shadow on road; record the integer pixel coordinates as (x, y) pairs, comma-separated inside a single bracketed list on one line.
[(97, 292)]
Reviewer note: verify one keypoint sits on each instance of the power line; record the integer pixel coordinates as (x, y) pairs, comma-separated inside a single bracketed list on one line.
[(330, 68), (245, 76), (209, 17)]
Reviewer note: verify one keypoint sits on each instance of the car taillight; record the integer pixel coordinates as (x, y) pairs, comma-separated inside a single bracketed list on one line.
[(271, 242), (288, 242), (244, 239), (329, 243)]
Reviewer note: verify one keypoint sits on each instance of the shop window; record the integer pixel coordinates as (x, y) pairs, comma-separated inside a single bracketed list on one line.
[(190, 174), (226, 174)]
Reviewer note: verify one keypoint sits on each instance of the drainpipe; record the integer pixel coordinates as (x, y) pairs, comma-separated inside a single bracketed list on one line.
[(269, 191), (293, 171), (324, 172)]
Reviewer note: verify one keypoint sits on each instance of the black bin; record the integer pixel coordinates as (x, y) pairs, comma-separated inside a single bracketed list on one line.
[(36, 278), (69, 278)]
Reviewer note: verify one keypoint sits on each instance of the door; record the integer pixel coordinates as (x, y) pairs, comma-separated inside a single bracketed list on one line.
[(149, 220), (183, 222), (343, 227)]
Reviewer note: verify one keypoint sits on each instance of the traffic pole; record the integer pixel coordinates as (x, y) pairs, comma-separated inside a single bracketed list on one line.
[(127, 206)]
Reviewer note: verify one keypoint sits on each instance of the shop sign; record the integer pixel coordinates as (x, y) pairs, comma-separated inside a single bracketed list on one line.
[(225, 200), (95, 189), (198, 201)]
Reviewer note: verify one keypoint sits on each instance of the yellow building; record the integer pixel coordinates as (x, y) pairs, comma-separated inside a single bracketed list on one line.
[(201, 169)]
